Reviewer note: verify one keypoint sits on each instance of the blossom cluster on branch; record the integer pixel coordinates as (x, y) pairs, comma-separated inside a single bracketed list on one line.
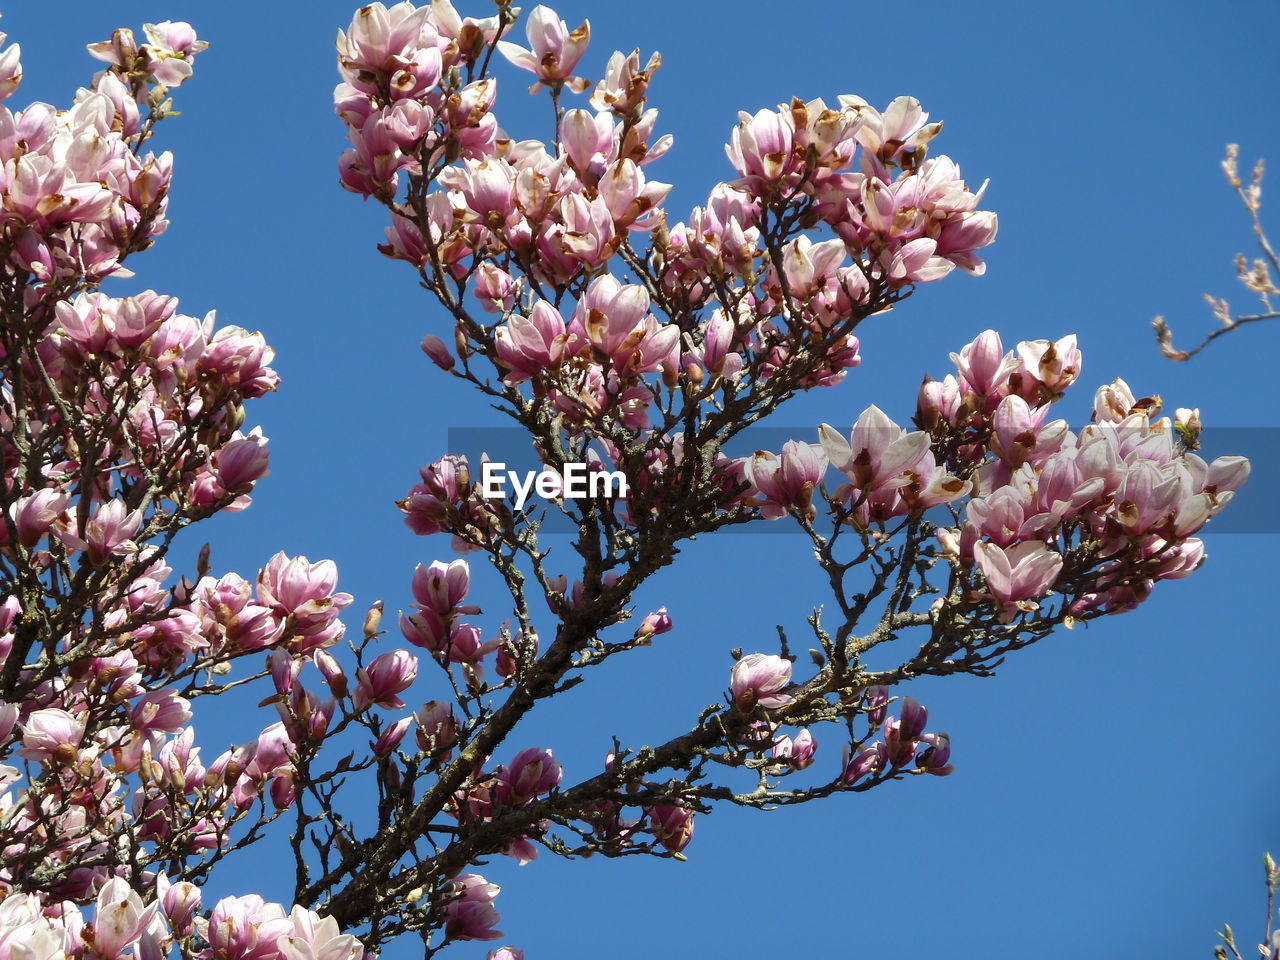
[(615, 336)]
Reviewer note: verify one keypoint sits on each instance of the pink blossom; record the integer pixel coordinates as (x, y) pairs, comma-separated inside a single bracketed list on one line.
[(893, 472), (229, 616), (916, 261), (1019, 574), (757, 679), (672, 826), (247, 928), (1114, 402), (624, 85), (442, 586), (654, 624), (111, 529), (242, 462), (425, 629), (875, 701), (934, 759), (533, 345), (869, 760), (614, 319), (51, 732), (495, 288), (760, 149), (631, 198), (391, 736), (10, 68), (469, 912), (434, 348), (172, 49), (586, 137), (487, 187), (179, 901), (437, 729), (304, 593), (797, 752), (399, 44), (787, 481), (119, 919), (520, 650), (241, 360), (902, 127), (384, 679), (33, 515), (531, 773), (317, 938), (984, 365), (902, 734), (554, 50), (8, 720), (1019, 432), (1055, 365), (444, 484), (160, 710)]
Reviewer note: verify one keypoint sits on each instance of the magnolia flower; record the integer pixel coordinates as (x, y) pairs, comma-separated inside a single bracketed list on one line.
[(387, 676), (984, 365), (624, 85), (554, 50), (1055, 365), (317, 938), (797, 752), (672, 826), (533, 345), (469, 912), (757, 679), (787, 481), (1019, 574), (51, 732), (531, 773), (246, 928)]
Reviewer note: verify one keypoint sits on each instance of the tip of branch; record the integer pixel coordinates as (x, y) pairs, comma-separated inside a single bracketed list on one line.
[(1164, 337)]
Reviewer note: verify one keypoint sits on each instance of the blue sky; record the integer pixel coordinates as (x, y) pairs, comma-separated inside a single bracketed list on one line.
[(1115, 786)]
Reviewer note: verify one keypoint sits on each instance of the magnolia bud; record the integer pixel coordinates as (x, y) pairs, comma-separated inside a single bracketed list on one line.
[(372, 619)]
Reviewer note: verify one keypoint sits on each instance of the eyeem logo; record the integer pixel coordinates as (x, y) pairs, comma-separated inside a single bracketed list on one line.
[(574, 482)]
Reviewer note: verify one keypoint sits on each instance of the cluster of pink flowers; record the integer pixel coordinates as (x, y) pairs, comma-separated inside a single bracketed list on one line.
[(519, 218), (78, 197), (533, 772), (124, 925), (122, 422), (761, 687), (903, 742), (1127, 484), (563, 213), (448, 499), (435, 624), (154, 372), (112, 718)]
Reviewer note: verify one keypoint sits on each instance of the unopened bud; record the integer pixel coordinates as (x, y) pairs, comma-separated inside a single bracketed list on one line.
[(434, 348), (372, 619)]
